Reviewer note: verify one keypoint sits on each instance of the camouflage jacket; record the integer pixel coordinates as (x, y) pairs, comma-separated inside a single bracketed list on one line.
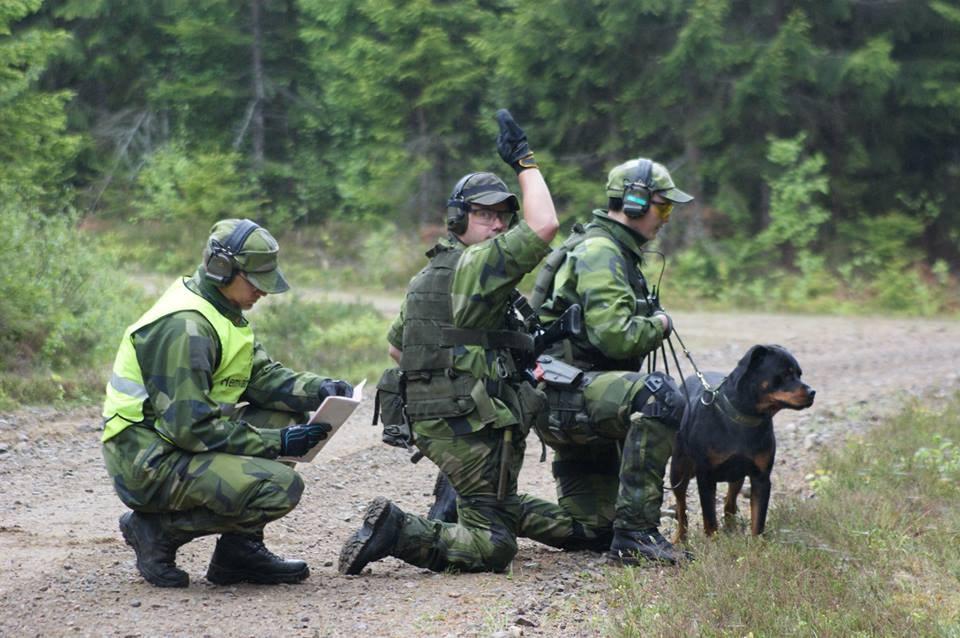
[(595, 275), (177, 356), (485, 277)]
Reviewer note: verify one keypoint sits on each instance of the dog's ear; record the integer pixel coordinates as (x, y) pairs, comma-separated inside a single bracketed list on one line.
[(750, 361)]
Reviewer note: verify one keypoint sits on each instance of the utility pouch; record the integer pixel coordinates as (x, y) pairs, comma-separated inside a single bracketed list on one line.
[(388, 403), (389, 406), (533, 407)]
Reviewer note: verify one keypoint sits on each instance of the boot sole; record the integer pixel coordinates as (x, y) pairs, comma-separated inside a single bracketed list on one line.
[(220, 576), (373, 518), (130, 537)]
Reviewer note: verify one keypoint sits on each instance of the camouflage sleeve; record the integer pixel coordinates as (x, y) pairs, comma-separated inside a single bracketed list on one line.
[(489, 271), (276, 387), (177, 355), (395, 335), (609, 302)]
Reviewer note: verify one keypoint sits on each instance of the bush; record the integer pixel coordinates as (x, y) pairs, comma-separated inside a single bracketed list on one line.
[(194, 187), (63, 311), (346, 341)]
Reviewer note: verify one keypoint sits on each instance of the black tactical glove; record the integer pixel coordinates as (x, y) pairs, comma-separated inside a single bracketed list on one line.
[(669, 329), (334, 388), (512, 143), (297, 440)]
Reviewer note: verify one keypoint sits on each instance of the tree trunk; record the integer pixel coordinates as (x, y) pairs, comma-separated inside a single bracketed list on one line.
[(257, 133)]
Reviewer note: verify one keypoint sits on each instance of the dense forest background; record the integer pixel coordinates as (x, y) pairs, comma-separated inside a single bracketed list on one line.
[(819, 138)]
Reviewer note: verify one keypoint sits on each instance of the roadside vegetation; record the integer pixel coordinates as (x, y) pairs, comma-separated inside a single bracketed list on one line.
[(876, 551)]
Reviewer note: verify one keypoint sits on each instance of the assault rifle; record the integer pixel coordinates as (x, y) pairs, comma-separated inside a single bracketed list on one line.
[(568, 324)]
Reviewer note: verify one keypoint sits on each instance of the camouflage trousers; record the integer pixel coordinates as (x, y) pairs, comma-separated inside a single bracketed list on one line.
[(484, 538), (608, 466), (205, 493)]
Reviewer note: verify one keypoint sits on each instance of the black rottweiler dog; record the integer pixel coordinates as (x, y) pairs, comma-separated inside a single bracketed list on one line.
[(727, 434)]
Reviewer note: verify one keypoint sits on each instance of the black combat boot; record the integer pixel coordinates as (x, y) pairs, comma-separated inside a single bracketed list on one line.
[(378, 536), (444, 506), (244, 558), (628, 547), (156, 549)]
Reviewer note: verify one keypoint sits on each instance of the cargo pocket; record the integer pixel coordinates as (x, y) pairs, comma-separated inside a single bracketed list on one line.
[(567, 421)]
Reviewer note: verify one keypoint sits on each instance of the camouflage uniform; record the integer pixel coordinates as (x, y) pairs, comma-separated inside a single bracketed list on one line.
[(204, 471), (468, 447), (609, 460)]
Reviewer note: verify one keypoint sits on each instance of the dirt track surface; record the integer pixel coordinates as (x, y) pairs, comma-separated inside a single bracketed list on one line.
[(64, 569)]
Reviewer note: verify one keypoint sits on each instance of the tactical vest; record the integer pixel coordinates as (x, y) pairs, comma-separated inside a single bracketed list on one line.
[(126, 392), (434, 389), (580, 352)]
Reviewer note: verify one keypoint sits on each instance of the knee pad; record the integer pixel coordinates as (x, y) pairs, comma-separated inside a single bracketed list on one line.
[(668, 404), (503, 550)]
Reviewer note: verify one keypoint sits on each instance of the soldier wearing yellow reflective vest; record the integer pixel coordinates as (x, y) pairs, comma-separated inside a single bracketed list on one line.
[(180, 453)]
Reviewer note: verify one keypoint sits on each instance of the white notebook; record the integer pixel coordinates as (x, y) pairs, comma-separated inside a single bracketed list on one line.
[(335, 411)]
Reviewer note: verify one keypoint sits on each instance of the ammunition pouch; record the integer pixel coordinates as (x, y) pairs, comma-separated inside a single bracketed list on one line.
[(437, 394)]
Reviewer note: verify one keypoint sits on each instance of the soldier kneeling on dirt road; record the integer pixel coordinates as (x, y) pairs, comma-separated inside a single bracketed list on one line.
[(182, 456), (467, 403)]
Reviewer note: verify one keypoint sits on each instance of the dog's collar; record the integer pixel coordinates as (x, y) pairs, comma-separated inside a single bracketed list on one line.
[(727, 409)]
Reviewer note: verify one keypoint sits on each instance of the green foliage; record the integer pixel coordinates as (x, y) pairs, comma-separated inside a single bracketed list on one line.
[(405, 80), (195, 188), (63, 308), (942, 459), (35, 149), (341, 340), (794, 215), (876, 553)]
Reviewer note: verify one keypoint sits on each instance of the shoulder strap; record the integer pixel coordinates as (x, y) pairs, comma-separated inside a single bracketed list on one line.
[(543, 284)]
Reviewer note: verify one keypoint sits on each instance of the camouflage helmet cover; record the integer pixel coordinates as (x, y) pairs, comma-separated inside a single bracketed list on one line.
[(660, 181), (257, 257)]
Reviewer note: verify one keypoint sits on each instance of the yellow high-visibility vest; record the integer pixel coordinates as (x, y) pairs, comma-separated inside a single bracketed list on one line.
[(126, 392)]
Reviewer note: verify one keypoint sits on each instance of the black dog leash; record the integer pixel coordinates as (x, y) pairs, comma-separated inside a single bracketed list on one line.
[(707, 388)]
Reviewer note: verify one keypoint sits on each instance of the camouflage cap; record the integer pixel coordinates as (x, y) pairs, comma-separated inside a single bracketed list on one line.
[(258, 257), (487, 189), (660, 181)]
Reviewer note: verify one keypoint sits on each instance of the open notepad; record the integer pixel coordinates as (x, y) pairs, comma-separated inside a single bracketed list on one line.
[(335, 411)]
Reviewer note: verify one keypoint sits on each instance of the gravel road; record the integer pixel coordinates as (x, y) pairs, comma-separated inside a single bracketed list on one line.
[(65, 571)]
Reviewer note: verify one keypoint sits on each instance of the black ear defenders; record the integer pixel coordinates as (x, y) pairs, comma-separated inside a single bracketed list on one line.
[(221, 264), (637, 194), (457, 207)]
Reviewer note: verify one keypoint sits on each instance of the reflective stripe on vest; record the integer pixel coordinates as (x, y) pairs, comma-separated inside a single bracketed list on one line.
[(126, 392)]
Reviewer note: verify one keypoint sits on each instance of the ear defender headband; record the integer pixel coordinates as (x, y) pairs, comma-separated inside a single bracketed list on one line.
[(457, 207), (637, 194), (221, 264)]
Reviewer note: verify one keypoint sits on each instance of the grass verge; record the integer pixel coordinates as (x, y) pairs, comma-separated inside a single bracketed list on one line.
[(875, 553), (341, 340)]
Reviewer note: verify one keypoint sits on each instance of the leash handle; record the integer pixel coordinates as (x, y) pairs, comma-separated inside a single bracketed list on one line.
[(708, 389)]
